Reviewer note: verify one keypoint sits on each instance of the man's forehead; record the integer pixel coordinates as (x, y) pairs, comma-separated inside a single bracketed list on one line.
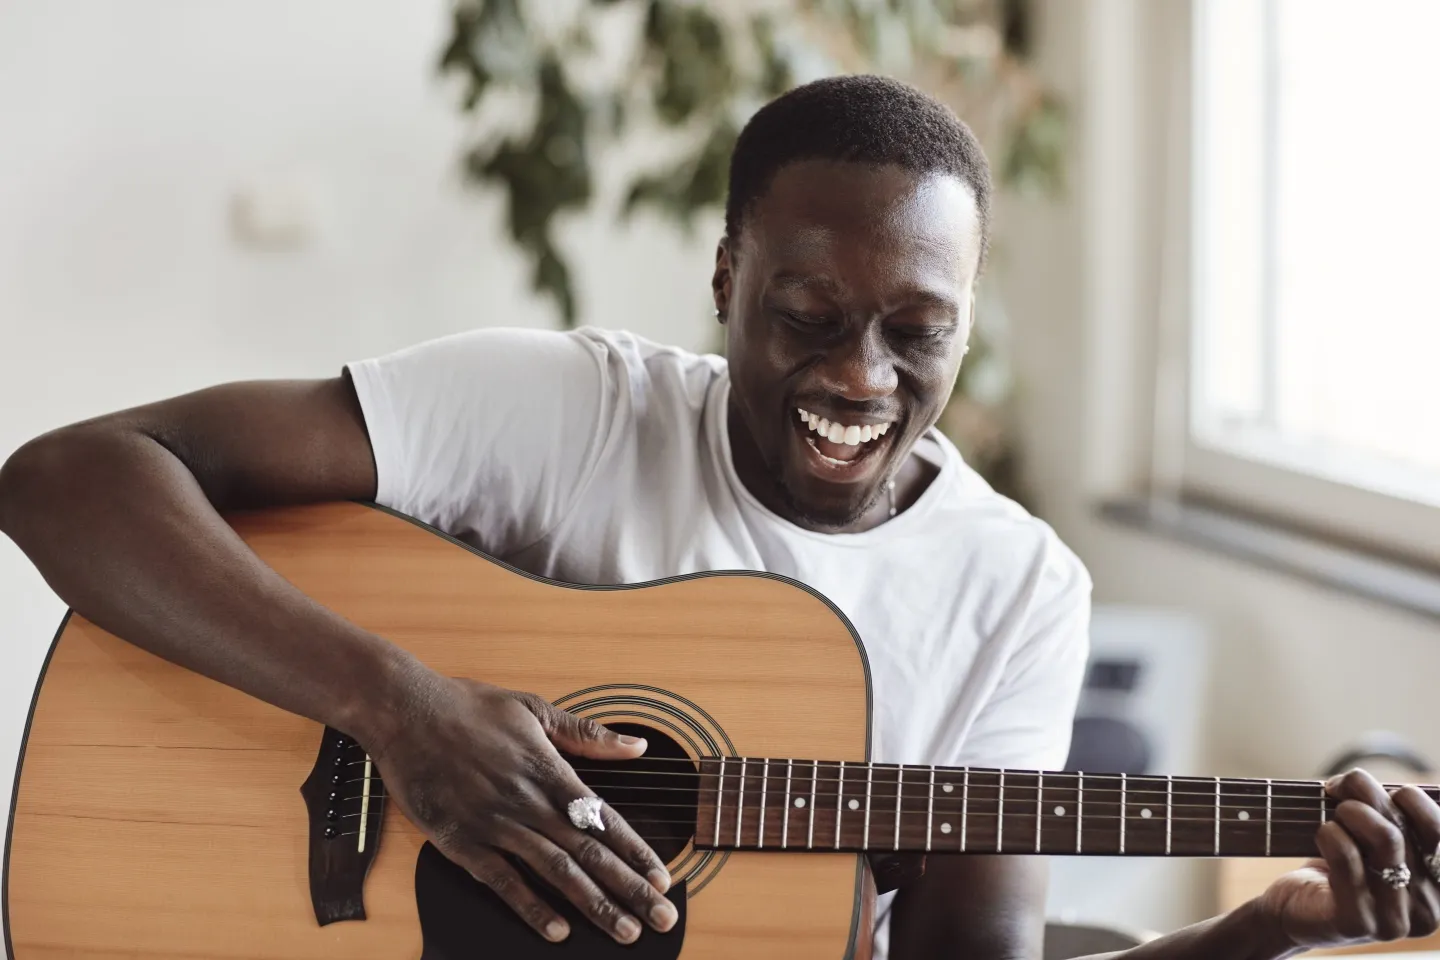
[(820, 211)]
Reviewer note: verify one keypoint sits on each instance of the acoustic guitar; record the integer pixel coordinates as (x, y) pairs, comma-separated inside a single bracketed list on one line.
[(159, 814)]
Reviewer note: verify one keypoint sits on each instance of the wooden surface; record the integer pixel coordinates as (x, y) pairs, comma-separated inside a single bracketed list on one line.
[(159, 814)]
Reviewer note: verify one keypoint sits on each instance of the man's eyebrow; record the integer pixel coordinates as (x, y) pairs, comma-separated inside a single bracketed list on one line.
[(799, 281), (818, 281)]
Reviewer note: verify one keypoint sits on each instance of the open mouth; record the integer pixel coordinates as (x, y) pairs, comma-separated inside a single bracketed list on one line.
[(841, 450)]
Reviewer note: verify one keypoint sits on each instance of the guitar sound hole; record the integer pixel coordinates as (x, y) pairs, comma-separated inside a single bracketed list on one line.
[(656, 794)]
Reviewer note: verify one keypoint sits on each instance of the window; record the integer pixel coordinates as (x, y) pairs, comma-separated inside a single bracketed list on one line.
[(1315, 340)]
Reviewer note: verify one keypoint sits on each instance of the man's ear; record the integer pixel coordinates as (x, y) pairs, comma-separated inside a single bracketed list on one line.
[(722, 281)]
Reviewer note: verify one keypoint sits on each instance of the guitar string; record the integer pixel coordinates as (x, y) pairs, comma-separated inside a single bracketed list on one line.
[(1309, 823), (1133, 786), (1021, 795)]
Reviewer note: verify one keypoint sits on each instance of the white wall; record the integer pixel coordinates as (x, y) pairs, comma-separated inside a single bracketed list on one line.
[(126, 130), (1297, 670)]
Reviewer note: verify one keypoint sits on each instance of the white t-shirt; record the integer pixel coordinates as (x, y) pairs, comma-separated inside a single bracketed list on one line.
[(600, 458)]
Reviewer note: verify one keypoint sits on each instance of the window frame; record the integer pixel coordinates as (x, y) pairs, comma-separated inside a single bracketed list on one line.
[(1253, 473)]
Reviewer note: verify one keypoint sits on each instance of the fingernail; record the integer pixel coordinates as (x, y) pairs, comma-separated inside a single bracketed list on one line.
[(659, 879), (557, 930), (629, 740), (628, 929), (663, 916)]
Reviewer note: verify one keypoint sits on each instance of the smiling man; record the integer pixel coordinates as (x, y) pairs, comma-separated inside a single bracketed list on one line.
[(855, 230)]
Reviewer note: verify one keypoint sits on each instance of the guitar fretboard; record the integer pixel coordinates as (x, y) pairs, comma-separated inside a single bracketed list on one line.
[(763, 804)]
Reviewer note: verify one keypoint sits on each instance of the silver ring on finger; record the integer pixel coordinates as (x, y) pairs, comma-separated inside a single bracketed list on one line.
[(585, 813), (1398, 878), (1432, 865)]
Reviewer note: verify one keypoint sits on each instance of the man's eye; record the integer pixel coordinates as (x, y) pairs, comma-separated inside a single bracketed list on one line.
[(925, 333), (805, 319)]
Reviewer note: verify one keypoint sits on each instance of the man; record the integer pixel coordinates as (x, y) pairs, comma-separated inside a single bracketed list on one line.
[(856, 227)]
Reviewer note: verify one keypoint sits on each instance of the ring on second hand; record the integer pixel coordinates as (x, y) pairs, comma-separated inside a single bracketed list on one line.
[(1432, 865), (585, 814), (1397, 877)]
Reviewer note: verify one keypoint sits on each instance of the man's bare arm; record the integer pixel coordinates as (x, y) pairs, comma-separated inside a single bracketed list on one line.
[(121, 515)]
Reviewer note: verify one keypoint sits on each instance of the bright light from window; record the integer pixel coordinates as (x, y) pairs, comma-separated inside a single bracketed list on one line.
[(1317, 169)]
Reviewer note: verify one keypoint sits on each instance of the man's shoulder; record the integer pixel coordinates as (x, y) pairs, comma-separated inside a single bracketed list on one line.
[(643, 355)]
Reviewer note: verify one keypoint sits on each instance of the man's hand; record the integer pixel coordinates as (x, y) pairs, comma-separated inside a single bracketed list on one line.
[(478, 769), (1342, 898)]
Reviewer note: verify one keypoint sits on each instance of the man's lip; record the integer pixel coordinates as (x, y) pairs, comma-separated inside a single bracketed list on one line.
[(872, 452)]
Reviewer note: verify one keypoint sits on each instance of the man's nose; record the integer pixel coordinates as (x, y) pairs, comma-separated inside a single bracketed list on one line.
[(859, 368)]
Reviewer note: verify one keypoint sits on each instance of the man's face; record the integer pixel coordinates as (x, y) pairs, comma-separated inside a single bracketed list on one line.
[(846, 296)]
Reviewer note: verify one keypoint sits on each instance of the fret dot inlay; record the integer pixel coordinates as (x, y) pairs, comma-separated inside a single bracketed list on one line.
[(948, 788), (800, 802), (1145, 812), (853, 804), (945, 828), (1059, 811), (1244, 814)]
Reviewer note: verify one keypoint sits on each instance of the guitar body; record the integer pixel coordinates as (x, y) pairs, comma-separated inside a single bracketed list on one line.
[(159, 814)]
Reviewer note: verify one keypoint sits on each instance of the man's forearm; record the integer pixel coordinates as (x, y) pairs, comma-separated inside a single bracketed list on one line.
[(121, 529), (1242, 934)]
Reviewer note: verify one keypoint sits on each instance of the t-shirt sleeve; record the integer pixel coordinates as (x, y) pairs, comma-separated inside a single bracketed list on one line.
[(1027, 722), (490, 435)]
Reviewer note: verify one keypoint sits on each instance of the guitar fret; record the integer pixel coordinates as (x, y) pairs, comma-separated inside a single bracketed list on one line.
[(719, 799), (930, 811), (899, 790), (1169, 819), (1322, 803), (1269, 792), (785, 824), (1122, 814), (1197, 822), (1217, 816), (964, 807), (764, 779), (1000, 816), (865, 839), (740, 803), (1039, 806), (814, 782)]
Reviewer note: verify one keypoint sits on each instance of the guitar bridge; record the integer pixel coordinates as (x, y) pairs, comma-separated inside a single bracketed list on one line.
[(345, 800)]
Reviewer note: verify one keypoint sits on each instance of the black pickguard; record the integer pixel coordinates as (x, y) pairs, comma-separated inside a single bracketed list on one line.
[(461, 919)]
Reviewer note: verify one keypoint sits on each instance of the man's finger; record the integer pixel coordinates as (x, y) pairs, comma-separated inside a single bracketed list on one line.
[(563, 786), (1423, 818), (604, 864), (1354, 906), (1382, 846), (583, 737), (491, 869), (555, 866)]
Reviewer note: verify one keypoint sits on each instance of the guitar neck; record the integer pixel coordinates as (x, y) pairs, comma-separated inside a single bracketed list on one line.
[(799, 805)]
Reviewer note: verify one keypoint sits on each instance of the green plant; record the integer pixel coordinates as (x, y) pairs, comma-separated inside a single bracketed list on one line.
[(691, 73)]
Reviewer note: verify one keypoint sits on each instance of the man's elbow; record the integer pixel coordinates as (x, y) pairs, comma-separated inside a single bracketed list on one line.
[(38, 468)]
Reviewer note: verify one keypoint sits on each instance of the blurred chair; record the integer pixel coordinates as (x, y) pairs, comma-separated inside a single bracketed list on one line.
[(1065, 941)]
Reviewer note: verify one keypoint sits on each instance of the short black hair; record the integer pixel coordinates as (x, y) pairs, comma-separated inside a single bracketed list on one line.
[(859, 118)]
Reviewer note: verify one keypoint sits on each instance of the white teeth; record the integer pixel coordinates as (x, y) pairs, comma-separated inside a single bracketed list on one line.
[(839, 432)]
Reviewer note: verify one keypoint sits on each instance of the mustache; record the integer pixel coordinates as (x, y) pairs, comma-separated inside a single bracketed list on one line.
[(842, 406)]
